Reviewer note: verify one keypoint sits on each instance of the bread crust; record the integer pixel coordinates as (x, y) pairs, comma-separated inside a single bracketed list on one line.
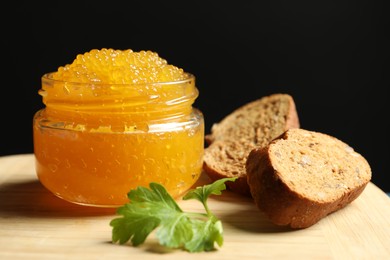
[(240, 185), (231, 140), (282, 205)]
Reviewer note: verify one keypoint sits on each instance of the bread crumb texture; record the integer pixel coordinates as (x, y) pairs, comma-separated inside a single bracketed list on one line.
[(252, 125), (319, 166), (303, 176)]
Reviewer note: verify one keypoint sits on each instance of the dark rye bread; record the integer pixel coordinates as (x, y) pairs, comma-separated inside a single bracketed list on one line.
[(252, 125), (302, 176)]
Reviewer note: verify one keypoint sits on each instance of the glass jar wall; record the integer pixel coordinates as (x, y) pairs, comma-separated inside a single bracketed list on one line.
[(95, 142)]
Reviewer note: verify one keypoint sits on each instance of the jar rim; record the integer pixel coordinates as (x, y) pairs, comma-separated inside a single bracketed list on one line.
[(117, 98), (48, 77)]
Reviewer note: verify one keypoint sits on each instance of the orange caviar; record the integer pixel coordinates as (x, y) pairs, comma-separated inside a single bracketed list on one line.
[(114, 120)]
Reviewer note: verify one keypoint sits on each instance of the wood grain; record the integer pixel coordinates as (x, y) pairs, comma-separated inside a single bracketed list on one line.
[(34, 224)]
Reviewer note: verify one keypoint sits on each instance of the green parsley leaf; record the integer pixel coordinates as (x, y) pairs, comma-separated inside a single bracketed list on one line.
[(202, 193), (154, 208), (205, 234)]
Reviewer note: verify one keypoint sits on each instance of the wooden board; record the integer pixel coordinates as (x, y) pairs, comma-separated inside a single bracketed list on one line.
[(34, 224)]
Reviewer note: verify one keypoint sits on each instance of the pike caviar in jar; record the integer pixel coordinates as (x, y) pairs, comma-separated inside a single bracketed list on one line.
[(114, 120)]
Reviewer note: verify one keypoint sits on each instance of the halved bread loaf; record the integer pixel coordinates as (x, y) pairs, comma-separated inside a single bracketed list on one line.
[(302, 176), (252, 125)]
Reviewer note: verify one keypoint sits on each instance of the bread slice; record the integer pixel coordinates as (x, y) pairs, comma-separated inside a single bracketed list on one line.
[(302, 176), (252, 125)]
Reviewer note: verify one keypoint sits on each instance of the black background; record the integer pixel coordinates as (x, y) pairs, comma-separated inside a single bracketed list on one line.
[(331, 56)]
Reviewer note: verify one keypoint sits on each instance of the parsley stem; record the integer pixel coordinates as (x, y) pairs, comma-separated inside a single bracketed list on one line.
[(197, 215), (206, 207)]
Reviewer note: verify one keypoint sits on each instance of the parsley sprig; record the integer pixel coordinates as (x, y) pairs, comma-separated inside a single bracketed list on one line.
[(154, 208)]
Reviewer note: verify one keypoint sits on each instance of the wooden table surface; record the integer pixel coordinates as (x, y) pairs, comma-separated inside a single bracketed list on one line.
[(34, 224)]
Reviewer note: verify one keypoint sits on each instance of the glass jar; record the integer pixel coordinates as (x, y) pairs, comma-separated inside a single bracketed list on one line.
[(93, 143)]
